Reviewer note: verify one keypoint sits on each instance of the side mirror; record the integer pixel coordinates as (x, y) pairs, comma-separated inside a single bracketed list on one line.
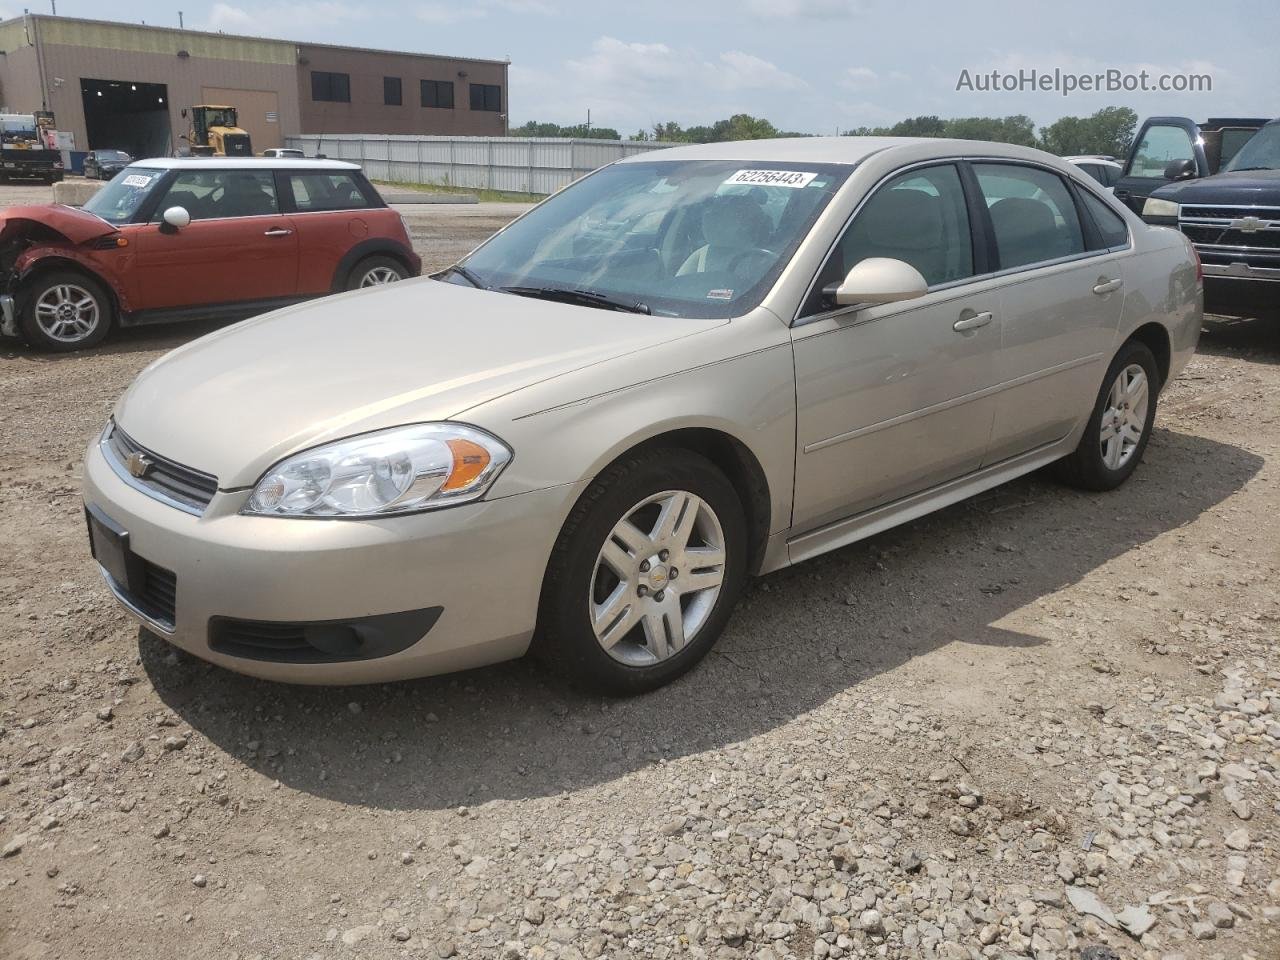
[(177, 217), (1181, 170), (878, 280)]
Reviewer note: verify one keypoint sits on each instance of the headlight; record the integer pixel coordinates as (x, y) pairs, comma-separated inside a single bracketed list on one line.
[(1155, 207), (401, 470)]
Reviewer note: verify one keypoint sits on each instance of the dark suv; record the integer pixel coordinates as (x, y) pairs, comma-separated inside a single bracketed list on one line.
[(1233, 218)]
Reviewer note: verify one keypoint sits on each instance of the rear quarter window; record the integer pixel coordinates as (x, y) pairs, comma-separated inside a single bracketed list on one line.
[(326, 190), (1111, 227)]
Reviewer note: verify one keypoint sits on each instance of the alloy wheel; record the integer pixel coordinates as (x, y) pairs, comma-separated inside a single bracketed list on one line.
[(1124, 417), (67, 313), (377, 276), (657, 578)]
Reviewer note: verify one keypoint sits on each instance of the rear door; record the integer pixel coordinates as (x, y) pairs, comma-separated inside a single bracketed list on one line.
[(1160, 142), (1061, 297), (330, 210), (238, 246)]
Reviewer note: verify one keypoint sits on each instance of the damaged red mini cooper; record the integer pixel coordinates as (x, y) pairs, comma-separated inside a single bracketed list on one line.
[(195, 238)]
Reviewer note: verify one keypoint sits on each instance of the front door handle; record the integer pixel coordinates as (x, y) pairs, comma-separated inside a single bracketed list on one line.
[(972, 322), (1105, 286), (278, 232)]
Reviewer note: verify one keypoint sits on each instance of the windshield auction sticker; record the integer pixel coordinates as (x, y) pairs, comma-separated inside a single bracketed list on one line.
[(136, 180), (772, 178)]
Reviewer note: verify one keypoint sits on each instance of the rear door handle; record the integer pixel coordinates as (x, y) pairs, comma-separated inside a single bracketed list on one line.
[(972, 322), (278, 232), (1105, 286)]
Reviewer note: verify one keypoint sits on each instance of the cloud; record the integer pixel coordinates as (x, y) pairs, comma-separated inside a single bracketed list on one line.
[(860, 78), (632, 84), (803, 9), (275, 19), (445, 13), (616, 66), (452, 12)]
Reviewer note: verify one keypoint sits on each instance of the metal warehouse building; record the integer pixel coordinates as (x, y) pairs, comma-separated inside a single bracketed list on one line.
[(124, 86)]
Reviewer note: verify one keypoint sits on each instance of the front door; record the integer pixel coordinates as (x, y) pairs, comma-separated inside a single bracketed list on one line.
[(897, 398), (238, 246), (1160, 142)]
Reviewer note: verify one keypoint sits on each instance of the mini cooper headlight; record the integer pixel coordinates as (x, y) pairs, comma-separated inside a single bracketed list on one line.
[(401, 470), (1155, 207)]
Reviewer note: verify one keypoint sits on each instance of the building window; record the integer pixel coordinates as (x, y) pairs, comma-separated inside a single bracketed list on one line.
[(391, 91), (437, 93), (486, 96), (332, 87)]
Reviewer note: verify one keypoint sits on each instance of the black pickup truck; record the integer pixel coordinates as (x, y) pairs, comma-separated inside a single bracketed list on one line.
[(1233, 219)]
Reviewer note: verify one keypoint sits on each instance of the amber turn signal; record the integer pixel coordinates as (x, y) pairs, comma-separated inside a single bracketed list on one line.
[(469, 461)]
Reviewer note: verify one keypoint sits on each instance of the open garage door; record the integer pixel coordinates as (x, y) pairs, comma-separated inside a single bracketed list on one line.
[(258, 110), (127, 115)]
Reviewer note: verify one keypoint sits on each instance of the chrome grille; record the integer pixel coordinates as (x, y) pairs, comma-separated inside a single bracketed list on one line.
[(1231, 228), (181, 486)]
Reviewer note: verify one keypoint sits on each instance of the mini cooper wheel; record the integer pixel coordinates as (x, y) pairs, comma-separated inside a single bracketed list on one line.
[(1120, 424), (375, 271), (645, 574), (64, 310)]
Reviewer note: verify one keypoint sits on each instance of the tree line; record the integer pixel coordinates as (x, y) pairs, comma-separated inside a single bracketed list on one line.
[(1109, 131)]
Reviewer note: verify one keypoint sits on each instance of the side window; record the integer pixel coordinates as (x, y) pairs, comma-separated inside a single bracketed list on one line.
[(1110, 225), (326, 191), (218, 194), (919, 217), (1032, 214), (1160, 146)]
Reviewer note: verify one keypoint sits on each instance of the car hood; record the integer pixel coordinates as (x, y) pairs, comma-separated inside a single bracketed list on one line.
[(1236, 188), (237, 401), (48, 221)]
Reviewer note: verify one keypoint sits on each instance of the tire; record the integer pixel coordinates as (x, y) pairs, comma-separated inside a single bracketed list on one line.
[(391, 269), (637, 614), (59, 330), (1090, 466)]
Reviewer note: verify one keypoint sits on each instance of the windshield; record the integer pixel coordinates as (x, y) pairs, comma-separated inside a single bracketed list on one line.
[(113, 155), (688, 238), (120, 199), (1260, 153), (225, 117)]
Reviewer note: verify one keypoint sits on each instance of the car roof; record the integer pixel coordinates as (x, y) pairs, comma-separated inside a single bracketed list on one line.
[(843, 150), (217, 163), (1086, 158)]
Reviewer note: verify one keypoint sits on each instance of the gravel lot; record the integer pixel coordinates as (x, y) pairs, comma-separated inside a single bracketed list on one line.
[(1041, 723)]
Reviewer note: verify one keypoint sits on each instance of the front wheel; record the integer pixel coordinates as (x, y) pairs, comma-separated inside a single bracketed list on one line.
[(63, 310), (375, 271), (1120, 424), (645, 574)]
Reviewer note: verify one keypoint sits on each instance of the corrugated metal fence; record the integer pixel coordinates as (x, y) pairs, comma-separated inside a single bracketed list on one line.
[(517, 164)]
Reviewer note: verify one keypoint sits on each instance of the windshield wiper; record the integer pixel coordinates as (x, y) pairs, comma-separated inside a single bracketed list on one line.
[(584, 297), (467, 275), (1241, 169)]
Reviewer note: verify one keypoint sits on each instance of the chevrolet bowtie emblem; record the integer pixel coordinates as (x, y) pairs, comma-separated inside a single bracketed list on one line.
[(1249, 224), (138, 465)]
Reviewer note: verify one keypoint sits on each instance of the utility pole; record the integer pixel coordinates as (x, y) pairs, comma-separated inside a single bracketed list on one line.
[(181, 25), (588, 121), (54, 4)]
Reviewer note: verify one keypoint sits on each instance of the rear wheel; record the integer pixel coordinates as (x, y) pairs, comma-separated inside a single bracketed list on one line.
[(645, 574), (1120, 424), (375, 271), (64, 310)]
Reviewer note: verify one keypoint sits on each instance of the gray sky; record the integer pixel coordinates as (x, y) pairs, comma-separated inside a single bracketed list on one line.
[(809, 65)]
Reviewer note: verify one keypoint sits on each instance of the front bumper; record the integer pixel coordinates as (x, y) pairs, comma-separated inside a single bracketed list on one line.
[(482, 563), (1239, 289)]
